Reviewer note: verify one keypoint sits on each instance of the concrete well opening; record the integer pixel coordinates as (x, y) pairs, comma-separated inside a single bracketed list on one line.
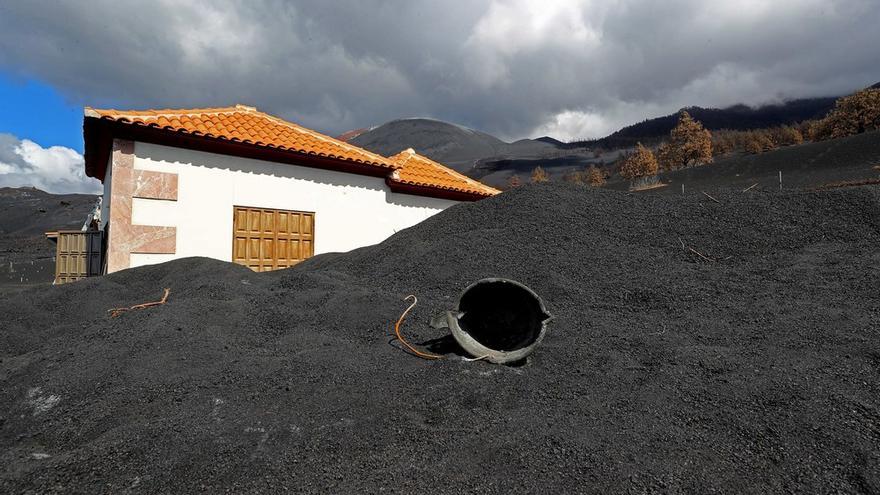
[(497, 319), (500, 315)]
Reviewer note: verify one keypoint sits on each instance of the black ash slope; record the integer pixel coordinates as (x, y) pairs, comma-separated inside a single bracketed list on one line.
[(805, 166), (26, 213), (759, 372)]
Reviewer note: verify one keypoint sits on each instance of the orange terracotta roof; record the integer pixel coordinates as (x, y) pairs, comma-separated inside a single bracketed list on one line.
[(245, 124), (417, 170)]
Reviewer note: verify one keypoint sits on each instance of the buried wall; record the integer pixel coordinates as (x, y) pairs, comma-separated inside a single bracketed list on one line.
[(168, 203)]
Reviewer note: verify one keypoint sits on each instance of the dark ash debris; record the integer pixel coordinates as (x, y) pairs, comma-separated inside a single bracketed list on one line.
[(662, 372)]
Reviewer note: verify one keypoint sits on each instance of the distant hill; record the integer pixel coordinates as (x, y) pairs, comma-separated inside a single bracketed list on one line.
[(453, 145), (28, 211), (876, 86), (737, 117), (550, 140), (348, 136)]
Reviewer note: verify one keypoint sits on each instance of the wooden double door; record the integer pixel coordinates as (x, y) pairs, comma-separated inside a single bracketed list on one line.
[(266, 239)]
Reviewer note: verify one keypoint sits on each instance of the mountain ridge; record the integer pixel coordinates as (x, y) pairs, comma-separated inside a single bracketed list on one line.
[(454, 145), (738, 117)]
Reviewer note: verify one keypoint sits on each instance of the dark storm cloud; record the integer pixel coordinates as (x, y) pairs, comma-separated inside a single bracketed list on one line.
[(518, 68)]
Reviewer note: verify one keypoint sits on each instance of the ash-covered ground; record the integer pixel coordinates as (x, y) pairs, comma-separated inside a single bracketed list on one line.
[(696, 347)]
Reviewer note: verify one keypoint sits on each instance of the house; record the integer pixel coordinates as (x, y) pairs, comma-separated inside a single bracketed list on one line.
[(240, 185)]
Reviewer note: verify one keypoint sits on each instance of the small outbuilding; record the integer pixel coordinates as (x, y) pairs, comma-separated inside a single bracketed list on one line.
[(239, 185)]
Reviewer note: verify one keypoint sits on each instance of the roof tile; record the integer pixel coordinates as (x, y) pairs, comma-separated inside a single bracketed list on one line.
[(418, 170), (245, 124)]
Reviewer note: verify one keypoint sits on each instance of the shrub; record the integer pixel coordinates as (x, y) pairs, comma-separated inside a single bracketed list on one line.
[(722, 143), (641, 163), (786, 136), (574, 177), (758, 142), (853, 114), (689, 144), (594, 176), (539, 175)]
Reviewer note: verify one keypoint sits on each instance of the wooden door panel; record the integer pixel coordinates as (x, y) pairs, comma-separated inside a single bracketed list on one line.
[(268, 225), (267, 239), (241, 218)]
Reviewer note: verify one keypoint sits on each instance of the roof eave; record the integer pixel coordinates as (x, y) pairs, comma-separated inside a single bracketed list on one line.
[(434, 192), (98, 144), (99, 133)]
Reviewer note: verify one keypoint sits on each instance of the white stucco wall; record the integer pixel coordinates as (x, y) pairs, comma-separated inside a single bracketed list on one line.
[(350, 210)]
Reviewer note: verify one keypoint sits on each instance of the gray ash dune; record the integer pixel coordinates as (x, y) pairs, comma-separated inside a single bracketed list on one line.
[(756, 372)]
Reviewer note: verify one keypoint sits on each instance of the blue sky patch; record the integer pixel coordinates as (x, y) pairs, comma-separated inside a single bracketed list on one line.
[(36, 111)]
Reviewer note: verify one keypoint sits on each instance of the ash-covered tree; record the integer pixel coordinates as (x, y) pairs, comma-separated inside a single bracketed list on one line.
[(808, 129), (722, 143), (786, 136), (594, 177), (758, 142), (641, 163), (514, 181), (574, 177), (539, 175), (689, 144), (853, 114)]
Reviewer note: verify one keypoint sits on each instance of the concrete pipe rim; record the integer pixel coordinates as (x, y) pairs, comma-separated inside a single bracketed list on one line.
[(516, 341)]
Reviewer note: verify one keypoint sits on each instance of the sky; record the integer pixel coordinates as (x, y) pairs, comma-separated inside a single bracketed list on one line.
[(513, 68)]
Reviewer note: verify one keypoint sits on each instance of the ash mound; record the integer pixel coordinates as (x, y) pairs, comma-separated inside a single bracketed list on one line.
[(696, 347)]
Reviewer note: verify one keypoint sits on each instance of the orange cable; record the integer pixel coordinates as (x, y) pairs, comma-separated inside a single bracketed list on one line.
[(423, 355), (114, 312)]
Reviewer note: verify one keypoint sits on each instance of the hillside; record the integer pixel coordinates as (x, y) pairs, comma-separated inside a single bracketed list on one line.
[(28, 211), (752, 367), (805, 166), (487, 158), (737, 117), (450, 144)]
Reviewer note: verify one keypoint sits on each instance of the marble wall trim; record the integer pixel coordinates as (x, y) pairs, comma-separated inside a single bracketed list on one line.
[(126, 183), (149, 184)]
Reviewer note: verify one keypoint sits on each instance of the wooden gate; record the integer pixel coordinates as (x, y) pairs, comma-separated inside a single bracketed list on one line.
[(265, 239), (77, 255)]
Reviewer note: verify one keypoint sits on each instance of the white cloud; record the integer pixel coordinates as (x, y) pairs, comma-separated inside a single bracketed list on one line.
[(511, 28), (570, 125), (56, 169)]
